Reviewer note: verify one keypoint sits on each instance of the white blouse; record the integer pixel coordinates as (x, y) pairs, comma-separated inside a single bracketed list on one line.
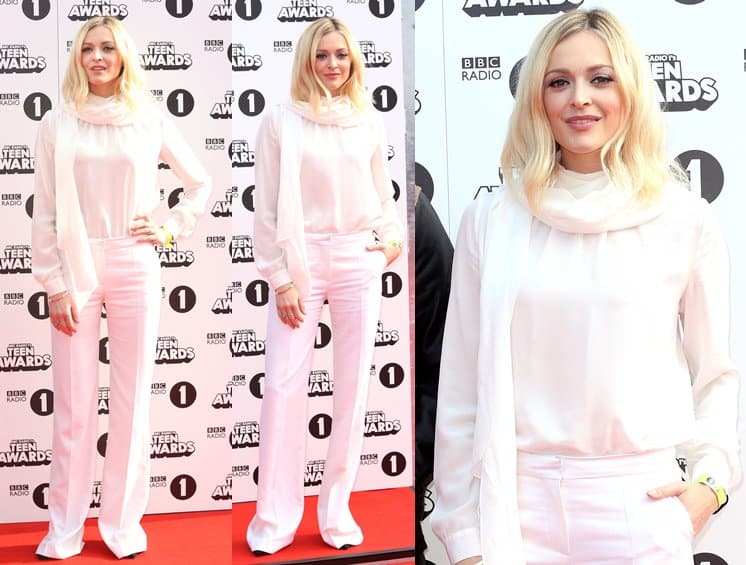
[(629, 344), (619, 344), (115, 172), (345, 185)]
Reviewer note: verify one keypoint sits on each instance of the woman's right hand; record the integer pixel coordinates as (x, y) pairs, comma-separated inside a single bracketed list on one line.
[(62, 313), (470, 561), (290, 307)]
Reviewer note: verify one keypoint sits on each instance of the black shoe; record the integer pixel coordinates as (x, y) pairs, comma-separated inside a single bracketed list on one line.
[(41, 557), (259, 553), (345, 547), (132, 555)]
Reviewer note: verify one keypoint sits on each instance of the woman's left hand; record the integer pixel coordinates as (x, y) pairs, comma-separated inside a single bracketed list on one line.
[(699, 500), (146, 231), (390, 251)]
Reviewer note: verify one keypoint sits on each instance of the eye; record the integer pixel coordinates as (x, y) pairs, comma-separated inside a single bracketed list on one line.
[(109, 48), (558, 82), (342, 55), (85, 49), (601, 79), (321, 56)]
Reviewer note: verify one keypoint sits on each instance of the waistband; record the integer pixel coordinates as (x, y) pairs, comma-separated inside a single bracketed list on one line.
[(564, 467), (340, 237), (120, 242)]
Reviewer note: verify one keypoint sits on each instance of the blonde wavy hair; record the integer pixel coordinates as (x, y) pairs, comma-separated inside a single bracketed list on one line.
[(306, 85), (132, 85), (634, 158)]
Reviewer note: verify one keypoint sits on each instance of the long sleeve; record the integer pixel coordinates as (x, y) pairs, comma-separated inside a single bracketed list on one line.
[(45, 257), (196, 181), (388, 226), (268, 256), (456, 516), (705, 314)]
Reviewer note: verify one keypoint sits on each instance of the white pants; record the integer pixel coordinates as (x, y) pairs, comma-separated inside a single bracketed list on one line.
[(129, 284), (596, 511), (349, 276)]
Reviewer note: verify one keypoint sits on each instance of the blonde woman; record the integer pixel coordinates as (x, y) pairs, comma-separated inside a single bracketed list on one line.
[(92, 242), (586, 342), (323, 193)]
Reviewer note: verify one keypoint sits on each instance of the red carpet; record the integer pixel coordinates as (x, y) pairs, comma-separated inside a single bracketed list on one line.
[(385, 516), (185, 538)]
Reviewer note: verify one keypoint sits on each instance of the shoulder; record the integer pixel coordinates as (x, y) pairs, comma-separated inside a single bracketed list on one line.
[(477, 216)]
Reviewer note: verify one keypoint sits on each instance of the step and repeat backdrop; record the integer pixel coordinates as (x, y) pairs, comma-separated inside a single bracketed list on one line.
[(184, 47), (215, 67), (262, 50), (467, 55)]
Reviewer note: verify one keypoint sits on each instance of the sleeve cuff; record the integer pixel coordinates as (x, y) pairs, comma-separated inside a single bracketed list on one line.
[(463, 544), (55, 285), (281, 277)]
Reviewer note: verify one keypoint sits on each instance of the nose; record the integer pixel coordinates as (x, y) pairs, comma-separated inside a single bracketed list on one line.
[(333, 62), (581, 95)]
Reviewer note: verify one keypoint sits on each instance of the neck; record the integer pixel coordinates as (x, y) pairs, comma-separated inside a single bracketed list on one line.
[(589, 163), (103, 90)]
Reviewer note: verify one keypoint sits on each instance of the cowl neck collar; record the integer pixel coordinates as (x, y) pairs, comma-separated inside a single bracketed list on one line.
[(337, 111), (592, 203), (109, 110)]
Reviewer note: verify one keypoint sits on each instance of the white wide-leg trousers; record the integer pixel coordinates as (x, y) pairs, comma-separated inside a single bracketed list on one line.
[(595, 511), (129, 285), (349, 277)]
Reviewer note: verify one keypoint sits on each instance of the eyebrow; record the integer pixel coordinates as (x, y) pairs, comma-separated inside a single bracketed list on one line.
[(107, 42), (593, 68)]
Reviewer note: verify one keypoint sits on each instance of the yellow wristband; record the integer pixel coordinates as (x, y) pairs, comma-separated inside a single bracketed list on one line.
[(169, 238), (719, 490)]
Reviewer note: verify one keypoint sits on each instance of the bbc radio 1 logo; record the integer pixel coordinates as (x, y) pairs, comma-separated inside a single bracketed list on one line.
[(386, 337), (180, 102), (251, 102), (480, 68), (257, 292), (214, 143), (162, 56), (15, 59), (372, 57), (222, 110), (305, 11), (169, 352), (104, 393), (241, 154), (706, 177), (16, 160), (213, 46), (10, 99), (241, 60), (11, 199), (223, 400), (256, 385), (173, 256), (244, 343), (15, 259), (224, 491), (35, 105), (25, 453), (677, 93), (224, 304), (320, 383), (215, 338), (87, 9), (376, 424), (384, 98), (368, 459), (224, 208), (282, 46), (708, 558), (215, 432), (314, 473), (167, 444), (245, 434), (214, 241), (391, 375), (241, 249), (13, 299), (391, 284), (23, 357), (491, 8), (19, 489), (221, 11)]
